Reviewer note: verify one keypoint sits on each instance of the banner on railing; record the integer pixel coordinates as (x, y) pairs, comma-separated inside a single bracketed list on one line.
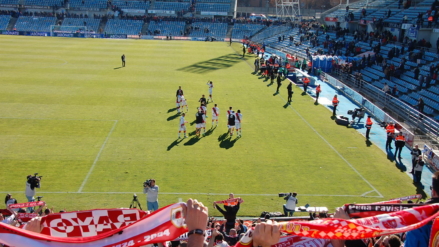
[(213, 13), (159, 11), (431, 157), (332, 19)]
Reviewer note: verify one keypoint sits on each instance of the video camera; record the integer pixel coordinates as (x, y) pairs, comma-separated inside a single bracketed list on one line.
[(34, 181), (285, 194), (147, 183)]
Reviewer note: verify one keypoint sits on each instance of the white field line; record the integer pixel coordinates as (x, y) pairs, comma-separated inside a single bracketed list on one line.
[(97, 157), (187, 193), (58, 119), (318, 134)]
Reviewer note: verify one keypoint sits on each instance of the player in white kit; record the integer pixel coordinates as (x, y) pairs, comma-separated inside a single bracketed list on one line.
[(215, 114), (182, 125), (238, 119), (210, 84), (183, 103)]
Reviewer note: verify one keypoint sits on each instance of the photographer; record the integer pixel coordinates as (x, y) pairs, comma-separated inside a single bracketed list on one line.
[(32, 183), (150, 188), (290, 206)]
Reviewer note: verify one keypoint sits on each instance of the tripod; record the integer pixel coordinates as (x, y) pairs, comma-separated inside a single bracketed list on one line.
[(135, 203)]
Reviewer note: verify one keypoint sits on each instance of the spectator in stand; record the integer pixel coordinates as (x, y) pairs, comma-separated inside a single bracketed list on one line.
[(386, 88), (416, 73), (229, 214), (420, 105), (10, 200)]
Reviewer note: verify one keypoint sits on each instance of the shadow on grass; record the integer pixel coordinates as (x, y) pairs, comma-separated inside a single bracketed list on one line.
[(400, 165), (420, 190), (192, 123), (174, 143), (118, 67), (210, 131), (172, 109), (222, 137), (192, 141), (228, 142), (173, 116), (390, 155), (222, 62)]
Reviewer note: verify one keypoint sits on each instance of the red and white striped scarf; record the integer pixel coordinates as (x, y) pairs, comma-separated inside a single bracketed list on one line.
[(168, 224)]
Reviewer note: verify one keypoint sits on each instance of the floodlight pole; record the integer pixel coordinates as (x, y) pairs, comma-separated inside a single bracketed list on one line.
[(287, 8)]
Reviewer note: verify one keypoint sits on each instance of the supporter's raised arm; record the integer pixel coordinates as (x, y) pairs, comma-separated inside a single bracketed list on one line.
[(196, 219), (266, 234)]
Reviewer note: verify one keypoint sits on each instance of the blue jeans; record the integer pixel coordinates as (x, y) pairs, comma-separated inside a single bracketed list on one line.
[(30, 199), (152, 206), (288, 212)]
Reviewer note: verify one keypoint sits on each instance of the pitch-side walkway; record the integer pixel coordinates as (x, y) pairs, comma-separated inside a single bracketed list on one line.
[(377, 135)]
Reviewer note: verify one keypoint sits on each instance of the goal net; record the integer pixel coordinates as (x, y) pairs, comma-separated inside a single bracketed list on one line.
[(71, 31)]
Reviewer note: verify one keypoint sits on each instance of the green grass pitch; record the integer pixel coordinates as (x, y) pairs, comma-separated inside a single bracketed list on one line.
[(96, 131)]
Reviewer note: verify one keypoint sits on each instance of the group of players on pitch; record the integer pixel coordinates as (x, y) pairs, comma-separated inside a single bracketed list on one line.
[(233, 118)]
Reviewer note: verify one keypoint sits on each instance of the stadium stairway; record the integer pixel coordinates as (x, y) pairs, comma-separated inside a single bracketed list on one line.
[(145, 28), (262, 29), (229, 31), (11, 23), (102, 25)]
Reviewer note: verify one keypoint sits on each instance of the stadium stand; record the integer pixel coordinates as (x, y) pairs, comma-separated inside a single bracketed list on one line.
[(91, 23), (129, 27), (4, 21), (38, 24), (11, 2), (204, 29), (131, 4), (212, 7), (50, 3), (241, 30), (171, 6), (89, 4), (173, 28)]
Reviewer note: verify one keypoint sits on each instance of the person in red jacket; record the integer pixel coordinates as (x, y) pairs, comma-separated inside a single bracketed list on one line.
[(335, 102), (318, 91), (368, 126)]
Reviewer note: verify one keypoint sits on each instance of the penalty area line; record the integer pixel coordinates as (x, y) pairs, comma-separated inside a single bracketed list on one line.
[(97, 157)]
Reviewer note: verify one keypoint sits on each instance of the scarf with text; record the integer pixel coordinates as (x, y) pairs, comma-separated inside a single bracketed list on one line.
[(120, 228), (101, 227), (26, 204)]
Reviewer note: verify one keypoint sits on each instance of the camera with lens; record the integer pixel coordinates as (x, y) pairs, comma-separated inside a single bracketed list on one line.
[(147, 183), (34, 181), (285, 194)]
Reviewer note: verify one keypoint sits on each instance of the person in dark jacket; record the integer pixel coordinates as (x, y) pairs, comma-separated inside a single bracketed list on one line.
[(229, 214)]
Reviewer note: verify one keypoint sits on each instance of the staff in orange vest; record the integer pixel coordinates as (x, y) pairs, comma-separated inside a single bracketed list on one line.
[(305, 81), (399, 144), (318, 90), (368, 126), (390, 129), (334, 104)]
